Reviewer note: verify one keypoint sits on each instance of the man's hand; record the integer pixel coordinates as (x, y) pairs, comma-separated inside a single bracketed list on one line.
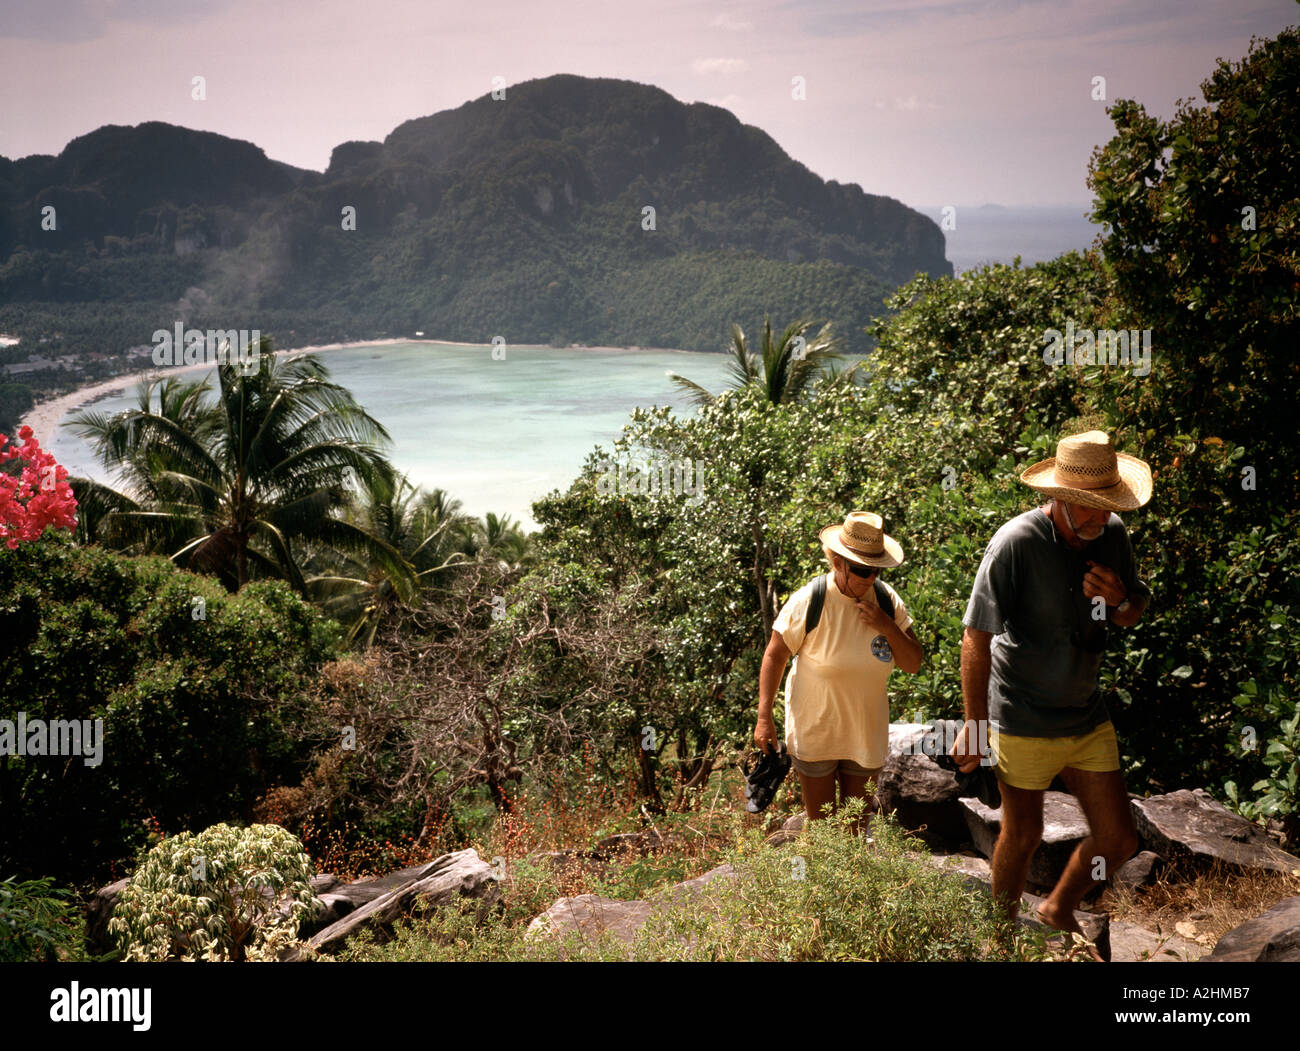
[(765, 734), (1104, 581), (965, 752)]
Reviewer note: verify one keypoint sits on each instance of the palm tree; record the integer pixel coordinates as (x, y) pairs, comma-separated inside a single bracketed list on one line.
[(119, 446), (428, 531), (231, 487), (501, 539), (783, 371)]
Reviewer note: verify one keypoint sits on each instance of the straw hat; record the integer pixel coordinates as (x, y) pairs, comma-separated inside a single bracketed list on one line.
[(1087, 470), (862, 539)]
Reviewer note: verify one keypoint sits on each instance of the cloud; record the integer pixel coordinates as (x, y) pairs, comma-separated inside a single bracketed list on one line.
[(725, 66), (726, 101), (909, 104), (731, 22), (70, 21)]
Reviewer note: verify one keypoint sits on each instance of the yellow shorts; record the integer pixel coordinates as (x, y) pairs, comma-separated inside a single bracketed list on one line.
[(1032, 762)]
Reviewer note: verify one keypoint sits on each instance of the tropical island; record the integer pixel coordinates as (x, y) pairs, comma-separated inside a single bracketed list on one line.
[(298, 658)]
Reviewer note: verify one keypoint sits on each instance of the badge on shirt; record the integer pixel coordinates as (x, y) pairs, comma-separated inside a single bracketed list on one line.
[(880, 649)]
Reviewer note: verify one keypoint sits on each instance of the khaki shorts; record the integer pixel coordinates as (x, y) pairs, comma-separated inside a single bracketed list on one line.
[(1032, 762), (826, 767)]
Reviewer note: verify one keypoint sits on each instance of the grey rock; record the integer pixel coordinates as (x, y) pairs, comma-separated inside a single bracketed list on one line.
[(1190, 824), (788, 831), (1064, 827), (462, 874), (1138, 871), (1271, 938), (975, 872), (922, 795), (98, 913), (589, 915)]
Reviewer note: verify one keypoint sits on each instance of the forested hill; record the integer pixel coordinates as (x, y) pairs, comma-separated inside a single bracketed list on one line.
[(525, 217)]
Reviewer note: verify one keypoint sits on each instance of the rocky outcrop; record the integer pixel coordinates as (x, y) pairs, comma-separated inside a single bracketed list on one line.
[(1271, 938), (1189, 824), (589, 916), (462, 874), (1138, 871), (919, 793)]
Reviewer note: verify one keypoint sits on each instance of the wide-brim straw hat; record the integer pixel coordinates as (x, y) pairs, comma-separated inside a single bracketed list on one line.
[(1087, 470), (861, 538)]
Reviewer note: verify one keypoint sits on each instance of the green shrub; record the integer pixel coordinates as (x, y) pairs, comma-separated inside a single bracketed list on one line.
[(223, 894), (832, 895), (200, 712), (37, 922)]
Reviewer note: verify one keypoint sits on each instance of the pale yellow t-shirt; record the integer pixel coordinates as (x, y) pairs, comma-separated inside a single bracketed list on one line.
[(836, 706)]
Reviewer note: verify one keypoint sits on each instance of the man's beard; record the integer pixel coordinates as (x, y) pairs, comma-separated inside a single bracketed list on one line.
[(1093, 532)]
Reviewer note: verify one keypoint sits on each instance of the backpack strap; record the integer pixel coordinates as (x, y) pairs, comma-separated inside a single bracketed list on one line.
[(818, 600), (815, 604), (883, 600)]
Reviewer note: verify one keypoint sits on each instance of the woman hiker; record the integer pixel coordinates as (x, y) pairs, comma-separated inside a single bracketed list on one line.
[(836, 708)]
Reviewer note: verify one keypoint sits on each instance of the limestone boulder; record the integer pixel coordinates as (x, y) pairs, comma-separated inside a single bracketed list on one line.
[(1190, 824), (1271, 938), (590, 916)]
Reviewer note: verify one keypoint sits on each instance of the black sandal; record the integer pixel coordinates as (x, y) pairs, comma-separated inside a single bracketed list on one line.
[(764, 772)]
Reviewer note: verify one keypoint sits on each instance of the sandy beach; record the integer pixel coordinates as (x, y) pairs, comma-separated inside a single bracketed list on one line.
[(45, 417)]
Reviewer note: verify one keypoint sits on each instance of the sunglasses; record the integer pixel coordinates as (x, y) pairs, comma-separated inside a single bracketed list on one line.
[(866, 572)]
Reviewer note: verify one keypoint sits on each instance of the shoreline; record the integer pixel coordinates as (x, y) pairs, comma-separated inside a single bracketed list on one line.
[(45, 417)]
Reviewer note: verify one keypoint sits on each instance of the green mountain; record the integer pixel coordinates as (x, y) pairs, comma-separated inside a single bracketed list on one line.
[(527, 218)]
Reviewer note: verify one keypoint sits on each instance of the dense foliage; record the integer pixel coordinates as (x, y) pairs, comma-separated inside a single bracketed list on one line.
[(38, 922), (1204, 246), (199, 692)]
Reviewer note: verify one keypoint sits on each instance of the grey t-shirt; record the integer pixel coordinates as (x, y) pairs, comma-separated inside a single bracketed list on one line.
[(1046, 649)]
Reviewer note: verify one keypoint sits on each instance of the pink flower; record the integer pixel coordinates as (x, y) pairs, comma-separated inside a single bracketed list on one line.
[(39, 497)]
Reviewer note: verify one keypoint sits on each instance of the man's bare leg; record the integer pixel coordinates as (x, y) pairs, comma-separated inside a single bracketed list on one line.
[(1022, 831), (1112, 838)]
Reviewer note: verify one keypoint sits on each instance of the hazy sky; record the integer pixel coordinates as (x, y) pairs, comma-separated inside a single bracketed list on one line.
[(962, 102)]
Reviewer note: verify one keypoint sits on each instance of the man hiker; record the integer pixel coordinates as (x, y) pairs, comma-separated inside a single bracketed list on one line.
[(1052, 582)]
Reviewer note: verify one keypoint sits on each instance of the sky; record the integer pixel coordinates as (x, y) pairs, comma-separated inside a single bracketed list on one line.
[(965, 102)]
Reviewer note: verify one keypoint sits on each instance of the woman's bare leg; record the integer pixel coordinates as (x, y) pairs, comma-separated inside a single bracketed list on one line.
[(818, 793)]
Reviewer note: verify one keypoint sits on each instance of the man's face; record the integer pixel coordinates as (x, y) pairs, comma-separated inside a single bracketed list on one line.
[(1086, 523)]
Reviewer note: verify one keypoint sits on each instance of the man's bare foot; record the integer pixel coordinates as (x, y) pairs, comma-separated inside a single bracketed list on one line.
[(1057, 918)]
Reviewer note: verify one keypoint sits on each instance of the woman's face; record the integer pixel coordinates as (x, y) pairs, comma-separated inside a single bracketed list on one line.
[(850, 583)]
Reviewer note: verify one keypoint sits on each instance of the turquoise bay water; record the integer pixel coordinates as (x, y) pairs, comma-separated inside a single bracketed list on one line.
[(495, 434)]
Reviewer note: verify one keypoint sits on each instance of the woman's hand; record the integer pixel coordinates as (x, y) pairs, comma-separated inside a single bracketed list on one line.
[(765, 734), (872, 616)]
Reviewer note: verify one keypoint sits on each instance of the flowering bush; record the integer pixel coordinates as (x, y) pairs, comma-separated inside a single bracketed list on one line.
[(37, 498)]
